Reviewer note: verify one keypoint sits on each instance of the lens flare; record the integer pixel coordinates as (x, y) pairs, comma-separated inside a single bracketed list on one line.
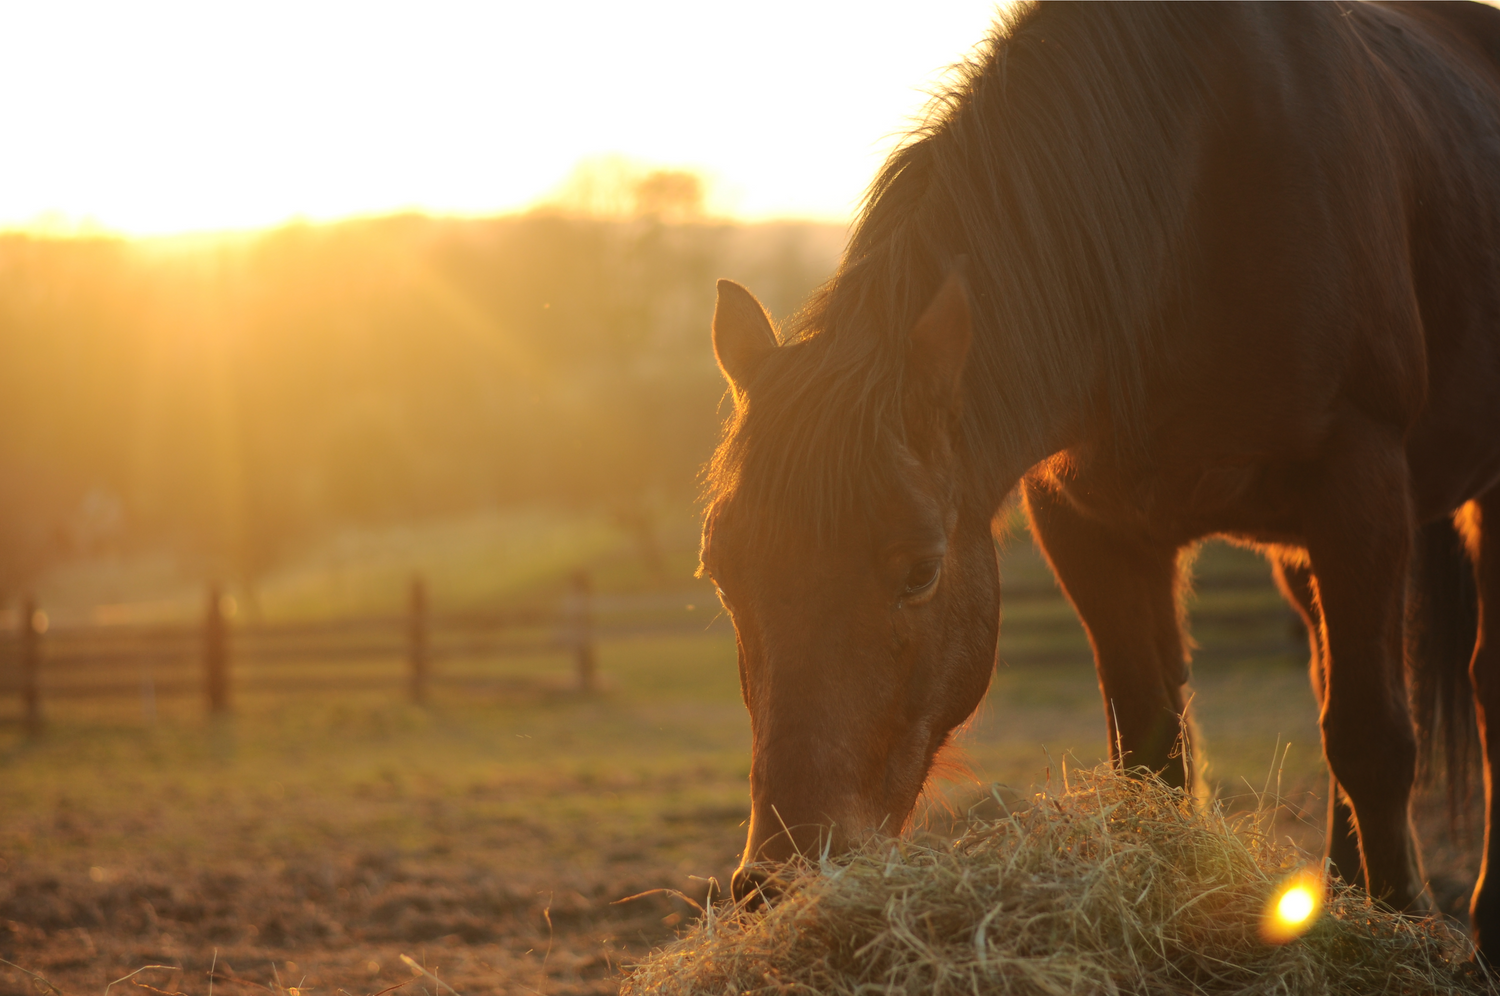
[(1293, 908), (1296, 906)]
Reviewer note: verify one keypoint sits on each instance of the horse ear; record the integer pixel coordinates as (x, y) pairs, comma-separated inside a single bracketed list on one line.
[(743, 336), (940, 340)]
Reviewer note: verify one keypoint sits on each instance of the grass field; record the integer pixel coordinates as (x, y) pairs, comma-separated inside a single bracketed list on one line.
[(312, 844)]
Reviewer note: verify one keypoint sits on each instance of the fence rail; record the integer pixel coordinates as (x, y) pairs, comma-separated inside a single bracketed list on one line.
[(155, 660)]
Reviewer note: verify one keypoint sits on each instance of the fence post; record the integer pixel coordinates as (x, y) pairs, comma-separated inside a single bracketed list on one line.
[(416, 635), (216, 654), (33, 625), (580, 621)]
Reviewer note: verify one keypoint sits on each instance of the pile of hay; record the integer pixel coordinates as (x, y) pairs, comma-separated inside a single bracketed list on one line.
[(1117, 885)]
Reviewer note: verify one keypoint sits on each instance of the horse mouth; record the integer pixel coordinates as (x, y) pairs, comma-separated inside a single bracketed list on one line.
[(752, 885)]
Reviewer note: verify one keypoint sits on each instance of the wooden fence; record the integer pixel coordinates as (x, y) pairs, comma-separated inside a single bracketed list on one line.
[(218, 656), (40, 661)]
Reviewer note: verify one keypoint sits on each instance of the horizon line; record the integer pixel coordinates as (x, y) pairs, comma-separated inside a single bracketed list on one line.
[(59, 227)]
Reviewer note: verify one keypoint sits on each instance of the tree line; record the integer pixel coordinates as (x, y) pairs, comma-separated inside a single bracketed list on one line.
[(230, 397)]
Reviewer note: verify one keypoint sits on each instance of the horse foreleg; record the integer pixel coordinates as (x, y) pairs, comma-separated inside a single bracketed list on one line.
[(1295, 579), (1357, 524), (1483, 529), (1124, 590)]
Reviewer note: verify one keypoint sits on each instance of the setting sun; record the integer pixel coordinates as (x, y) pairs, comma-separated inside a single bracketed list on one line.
[(172, 117)]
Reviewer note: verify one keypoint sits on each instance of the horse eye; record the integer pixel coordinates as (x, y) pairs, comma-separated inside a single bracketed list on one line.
[(923, 576)]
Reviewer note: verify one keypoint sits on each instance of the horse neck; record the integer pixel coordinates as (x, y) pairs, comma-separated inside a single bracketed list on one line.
[(1070, 266), (1010, 425)]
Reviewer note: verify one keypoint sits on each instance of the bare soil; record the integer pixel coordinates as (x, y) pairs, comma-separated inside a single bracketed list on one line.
[(489, 905)]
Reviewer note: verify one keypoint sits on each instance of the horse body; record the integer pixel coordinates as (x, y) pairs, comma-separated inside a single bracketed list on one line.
[(1330, 385), (1300, 320), (1232, 270)]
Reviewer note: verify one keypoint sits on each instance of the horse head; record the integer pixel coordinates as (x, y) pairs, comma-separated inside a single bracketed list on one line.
[(863, 590)]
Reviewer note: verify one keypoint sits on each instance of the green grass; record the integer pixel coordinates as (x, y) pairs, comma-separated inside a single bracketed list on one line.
[(670, 702)]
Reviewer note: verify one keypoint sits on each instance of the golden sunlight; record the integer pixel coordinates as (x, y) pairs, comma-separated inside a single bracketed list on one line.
[(166, 117)]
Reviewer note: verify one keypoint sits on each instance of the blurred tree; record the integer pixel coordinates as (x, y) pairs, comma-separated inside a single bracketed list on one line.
[(669, 195), (232, 397)]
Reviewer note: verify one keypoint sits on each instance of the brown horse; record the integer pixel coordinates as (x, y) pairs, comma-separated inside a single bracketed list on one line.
[(1176, 271)]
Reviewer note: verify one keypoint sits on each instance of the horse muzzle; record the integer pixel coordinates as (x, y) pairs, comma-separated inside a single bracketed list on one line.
[(752, 885)]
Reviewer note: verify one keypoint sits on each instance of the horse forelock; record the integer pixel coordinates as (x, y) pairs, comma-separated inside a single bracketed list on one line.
[(815, 442)]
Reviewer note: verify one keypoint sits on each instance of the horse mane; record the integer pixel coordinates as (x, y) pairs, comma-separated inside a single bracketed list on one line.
[(1056, 162)]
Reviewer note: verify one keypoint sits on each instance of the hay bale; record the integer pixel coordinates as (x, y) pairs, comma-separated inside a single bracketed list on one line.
[(1116, 885)]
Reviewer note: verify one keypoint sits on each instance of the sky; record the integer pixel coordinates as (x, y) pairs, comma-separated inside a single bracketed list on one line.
[(150, 117)]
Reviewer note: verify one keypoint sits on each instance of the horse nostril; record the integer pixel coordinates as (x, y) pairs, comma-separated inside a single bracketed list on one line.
[(750, 887)]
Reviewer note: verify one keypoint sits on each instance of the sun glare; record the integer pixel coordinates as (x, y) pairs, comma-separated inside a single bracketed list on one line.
[(164, 117), (1293, 908)]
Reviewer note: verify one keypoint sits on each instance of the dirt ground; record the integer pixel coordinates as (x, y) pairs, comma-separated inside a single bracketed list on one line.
[(316, 847), (509, 904)]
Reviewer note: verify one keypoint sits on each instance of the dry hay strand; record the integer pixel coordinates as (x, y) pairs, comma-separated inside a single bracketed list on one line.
[(1118, 884)]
